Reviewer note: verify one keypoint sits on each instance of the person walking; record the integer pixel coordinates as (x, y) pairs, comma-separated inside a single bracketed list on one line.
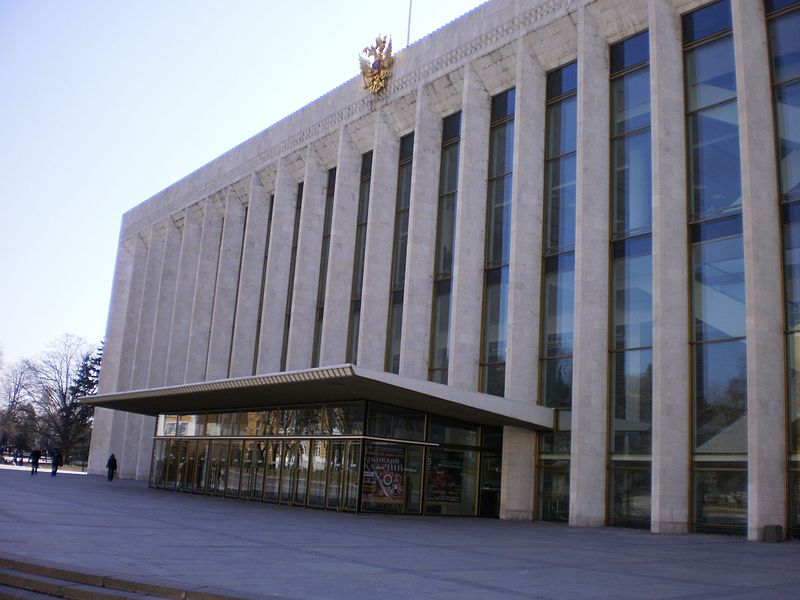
[(111, 467), (58, 460), (35, 456)]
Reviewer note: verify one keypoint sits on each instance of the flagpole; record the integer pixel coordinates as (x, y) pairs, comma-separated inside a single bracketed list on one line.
[(408, 34)]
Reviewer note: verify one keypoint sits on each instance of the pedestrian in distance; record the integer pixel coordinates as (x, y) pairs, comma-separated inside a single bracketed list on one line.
[(111, 467), (58, 460), (35, 456)]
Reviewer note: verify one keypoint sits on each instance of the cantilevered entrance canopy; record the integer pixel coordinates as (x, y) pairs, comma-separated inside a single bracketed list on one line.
[(329, 384)]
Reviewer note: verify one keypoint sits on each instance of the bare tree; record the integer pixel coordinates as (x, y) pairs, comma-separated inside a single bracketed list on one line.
[(63, 422), (15, 398)]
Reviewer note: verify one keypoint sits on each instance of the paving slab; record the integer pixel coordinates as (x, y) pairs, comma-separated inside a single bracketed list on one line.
[(124, 529)]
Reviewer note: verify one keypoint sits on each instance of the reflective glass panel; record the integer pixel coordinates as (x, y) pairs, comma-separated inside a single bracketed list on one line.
[(391, 478), (710, 74), (720, 398), (157, 464), (632, 298), (793, 357), (303, 462), (562, 128), (718, 295), (234, 470), (394, 422), (351, 476), (558, 305), (785, 47), (714, 168), (218, 468), (400, 245), (631, 390), (452, 482), (447, 431), (501, 149), (503, 105), (707, 21), (495, 323), (791, 264), (346, 419), (630, 52), (776, 5), (499, 226), (441, 327), (272, 471), (335, 472), (316, 478), (560, 204), (794, 502), (630, 494), (448, 173), (554, 490), (631, 184), (446, 236), (562, 81), (201, 468), (395, 333), (191, 465), (630, 101), (171, 470), (556, 382), (720, 498), (787, 111)]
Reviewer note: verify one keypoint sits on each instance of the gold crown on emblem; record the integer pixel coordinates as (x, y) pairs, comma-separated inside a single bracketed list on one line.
[(376, 64)]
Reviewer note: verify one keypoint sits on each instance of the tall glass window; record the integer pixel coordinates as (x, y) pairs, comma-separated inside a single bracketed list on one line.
[(719, 366), (784, 43), (558, 290), (631, 289), (290, 292), (323, 265), (498, 245), (257, 342), (445, 240), (399, 254), (358, 261)]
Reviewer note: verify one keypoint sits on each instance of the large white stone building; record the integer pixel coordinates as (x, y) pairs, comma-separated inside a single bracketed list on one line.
[(547, 273)]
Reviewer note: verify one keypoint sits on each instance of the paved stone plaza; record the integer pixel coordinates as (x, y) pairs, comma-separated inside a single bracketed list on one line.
[(250, 549)]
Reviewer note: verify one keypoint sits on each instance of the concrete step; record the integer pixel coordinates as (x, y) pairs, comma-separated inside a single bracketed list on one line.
[(23, 579), (61, 588)]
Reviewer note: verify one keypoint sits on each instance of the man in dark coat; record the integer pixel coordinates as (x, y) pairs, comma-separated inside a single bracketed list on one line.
[(111, 467), (58, 460), (35, 456)]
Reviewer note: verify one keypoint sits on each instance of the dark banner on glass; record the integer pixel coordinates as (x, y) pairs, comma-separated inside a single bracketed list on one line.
[(383, 473), (444, 475)]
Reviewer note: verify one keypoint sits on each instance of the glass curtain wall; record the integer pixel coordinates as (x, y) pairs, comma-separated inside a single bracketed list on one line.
[(631, 364), (445, 242), (263, 284), (783, 26), (351, 456), (398, 282), (323, 265), (719, 366), (358, 261), (558, 290), (498, 245), (290, 291)]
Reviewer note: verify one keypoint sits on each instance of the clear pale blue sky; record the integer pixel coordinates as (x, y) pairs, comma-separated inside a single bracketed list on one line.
[(103, 103)]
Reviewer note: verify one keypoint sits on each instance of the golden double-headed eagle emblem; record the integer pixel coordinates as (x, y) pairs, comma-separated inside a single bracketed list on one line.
[(376, 64)]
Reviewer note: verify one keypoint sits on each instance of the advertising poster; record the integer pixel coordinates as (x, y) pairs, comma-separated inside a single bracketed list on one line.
[(444, 475), (383, 473)]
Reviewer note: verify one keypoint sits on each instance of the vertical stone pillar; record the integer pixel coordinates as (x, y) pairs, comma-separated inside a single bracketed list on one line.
[(166, 302), (226, 287), (518, 474), (203, 302), (378, 254), (104, 418), (671, 382), (766, 377), (279, 259), (333, 343), (469, 251), (306, 272), (587, 486), (148, 307), (184, 293), (250, 280), (140, 244), (418, 296), (527, 207)]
